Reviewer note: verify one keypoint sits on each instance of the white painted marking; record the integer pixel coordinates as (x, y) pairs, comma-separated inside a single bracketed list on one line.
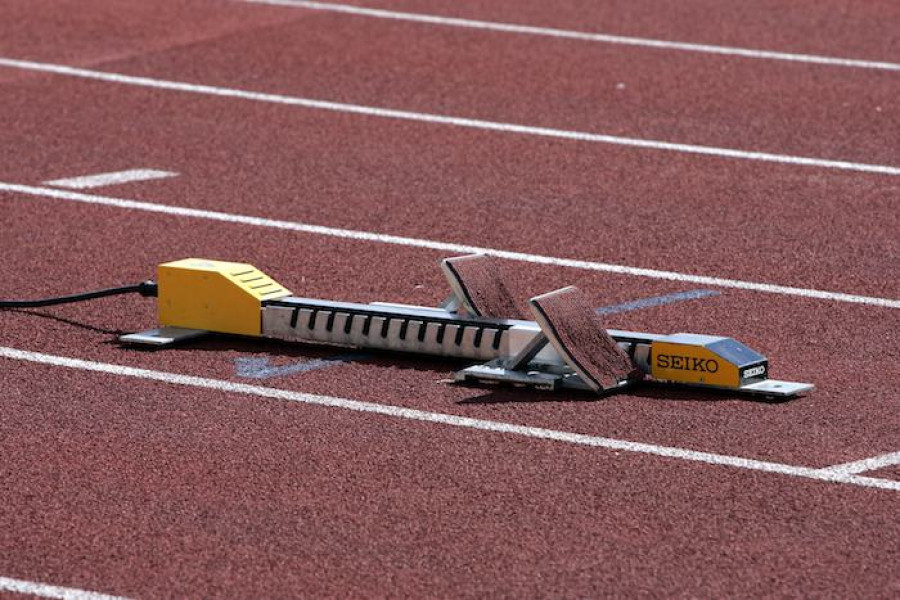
[(388, 113), (867, 464), (399, 412), (449, 247), (101, 179), (43, 590), (582, 35)]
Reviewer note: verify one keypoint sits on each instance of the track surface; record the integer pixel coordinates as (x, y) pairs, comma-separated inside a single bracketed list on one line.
[(147, 489)]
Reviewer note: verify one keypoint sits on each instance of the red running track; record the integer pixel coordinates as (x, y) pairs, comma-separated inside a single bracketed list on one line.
[(146, 489), (826, 27), (707, 216), (769, 106), (633, 206), (841, 348), (147, 492)]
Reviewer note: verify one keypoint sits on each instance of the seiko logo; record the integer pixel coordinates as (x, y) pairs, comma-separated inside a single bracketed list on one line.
[(687, 363), (755, 371)]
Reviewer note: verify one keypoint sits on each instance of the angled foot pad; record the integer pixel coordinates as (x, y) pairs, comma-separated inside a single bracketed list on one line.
[(480, 285), (577, 333)]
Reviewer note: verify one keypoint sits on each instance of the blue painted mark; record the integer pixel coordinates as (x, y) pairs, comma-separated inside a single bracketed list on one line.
[(656, 301), (261, 368)]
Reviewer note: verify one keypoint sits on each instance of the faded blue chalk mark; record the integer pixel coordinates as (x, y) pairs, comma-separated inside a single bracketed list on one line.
[(656, 301), (261, 368)]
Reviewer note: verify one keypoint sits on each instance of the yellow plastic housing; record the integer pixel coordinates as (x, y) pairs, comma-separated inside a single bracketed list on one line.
[(213, 295), (692, 363)]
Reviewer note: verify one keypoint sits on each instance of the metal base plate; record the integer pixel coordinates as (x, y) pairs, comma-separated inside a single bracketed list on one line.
[(164, 336), (776, 388), (544, 377), (551, 377)]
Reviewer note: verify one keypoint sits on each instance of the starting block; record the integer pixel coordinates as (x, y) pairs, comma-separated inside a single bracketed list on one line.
[(565, 346)]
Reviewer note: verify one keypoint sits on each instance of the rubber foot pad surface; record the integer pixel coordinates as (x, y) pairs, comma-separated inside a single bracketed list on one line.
[(483, 284), (579, 335)]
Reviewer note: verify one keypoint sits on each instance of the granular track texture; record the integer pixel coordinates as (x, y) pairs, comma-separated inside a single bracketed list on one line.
[(485, 286), (579, 334), (151, 489)]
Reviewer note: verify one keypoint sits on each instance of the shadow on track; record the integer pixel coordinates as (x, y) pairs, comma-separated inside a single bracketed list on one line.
[(648, 390), (72, 322)]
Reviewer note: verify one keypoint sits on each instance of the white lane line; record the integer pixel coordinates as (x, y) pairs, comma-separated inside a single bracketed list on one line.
[(388, 113), (102, 179), (399, 412), (449, 247), (582, 35), (867, 464), (20, 586)]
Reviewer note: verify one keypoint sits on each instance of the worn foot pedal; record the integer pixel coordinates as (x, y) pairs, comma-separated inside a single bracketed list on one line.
[(577, 333), (480, 285)]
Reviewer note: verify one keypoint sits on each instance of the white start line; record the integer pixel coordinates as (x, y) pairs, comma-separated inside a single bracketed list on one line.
[(449, 247), (583, 36), (436, 119), (85, 182), (411, 414), (43, 590), (867, 464)]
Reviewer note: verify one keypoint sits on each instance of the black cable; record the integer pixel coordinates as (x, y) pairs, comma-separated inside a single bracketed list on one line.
[(145, 289)]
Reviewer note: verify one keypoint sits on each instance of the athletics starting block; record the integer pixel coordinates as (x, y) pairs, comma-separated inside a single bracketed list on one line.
[(565, 346)]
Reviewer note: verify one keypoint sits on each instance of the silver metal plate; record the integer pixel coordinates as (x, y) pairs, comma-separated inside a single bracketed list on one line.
[(164, 336), (385, 327), (774, 387), (492, 374), (538, 376)]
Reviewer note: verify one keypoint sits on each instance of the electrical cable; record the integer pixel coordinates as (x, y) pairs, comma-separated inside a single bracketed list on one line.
[(146, 289)]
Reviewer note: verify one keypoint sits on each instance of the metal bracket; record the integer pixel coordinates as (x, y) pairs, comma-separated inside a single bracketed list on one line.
[(451, 304), (540, 377), (527, 353), (519, 370)]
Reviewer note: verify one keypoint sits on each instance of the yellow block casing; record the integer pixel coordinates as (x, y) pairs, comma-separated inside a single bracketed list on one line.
[(686, 363), (213, 295), (708, 360)]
